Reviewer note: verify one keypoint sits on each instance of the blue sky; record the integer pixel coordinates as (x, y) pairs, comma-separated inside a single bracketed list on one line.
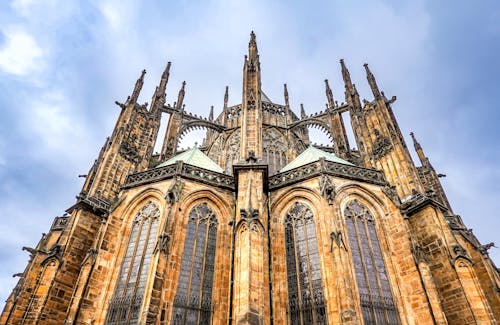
[(64, 63)]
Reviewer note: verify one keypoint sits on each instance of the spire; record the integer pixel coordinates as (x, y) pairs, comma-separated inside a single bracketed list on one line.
[(419, 150), (137, 88), (285, 90), (180, 97), (211, 114), (371, 80), (226, 97), (302, 111), (329, 94)]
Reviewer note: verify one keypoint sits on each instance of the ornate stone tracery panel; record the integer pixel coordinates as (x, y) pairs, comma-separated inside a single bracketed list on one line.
[(232, 149), (275, 150)]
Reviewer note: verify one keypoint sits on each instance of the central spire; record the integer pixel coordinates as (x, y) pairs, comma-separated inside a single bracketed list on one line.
[(251, 123)]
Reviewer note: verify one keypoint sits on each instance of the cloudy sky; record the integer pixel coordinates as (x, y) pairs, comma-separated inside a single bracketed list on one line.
[(64, 63)]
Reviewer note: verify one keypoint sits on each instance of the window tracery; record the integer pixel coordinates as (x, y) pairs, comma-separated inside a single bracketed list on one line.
[(305, 290), (377, 304), (193, 299), (274, 150), (232, 150), (125, 306)]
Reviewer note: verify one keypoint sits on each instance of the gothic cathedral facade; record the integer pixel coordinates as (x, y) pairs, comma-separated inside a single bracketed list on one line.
[(258, 226)]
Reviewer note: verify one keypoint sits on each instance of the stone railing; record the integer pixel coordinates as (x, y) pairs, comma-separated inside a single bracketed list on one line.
[(326, 167), (180, 169)]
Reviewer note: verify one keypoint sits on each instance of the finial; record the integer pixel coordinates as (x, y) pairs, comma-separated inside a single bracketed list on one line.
[(302, 111), (285, 90), (226, 97), (211, 114), (329, 94), (371, 80)]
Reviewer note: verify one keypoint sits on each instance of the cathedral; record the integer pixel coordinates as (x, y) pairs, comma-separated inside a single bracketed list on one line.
[(257, 225)]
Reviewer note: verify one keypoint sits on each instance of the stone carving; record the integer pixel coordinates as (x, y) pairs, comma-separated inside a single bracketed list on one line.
[(30, 250), (392, 194), (249, 214), (90, 257), (348, 315), (327, 188), (382, 145), (174, 192), (251, 103), (251, 157), (54, 252), (419, 255), (484, 248), (454, 222), (162, 244), (129, 149), (337, 238), (458, 252)]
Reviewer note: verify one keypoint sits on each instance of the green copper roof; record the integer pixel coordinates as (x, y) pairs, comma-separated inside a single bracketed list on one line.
[(310, 155), (196, 158)]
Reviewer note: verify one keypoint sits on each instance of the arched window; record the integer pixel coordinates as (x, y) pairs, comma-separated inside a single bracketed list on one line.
[(377, 304), (193, 299), (126, 304), (305, 290)]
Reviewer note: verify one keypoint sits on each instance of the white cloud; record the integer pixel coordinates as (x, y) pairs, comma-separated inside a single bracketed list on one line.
[(118, 13), (55, 129), (20, 54)]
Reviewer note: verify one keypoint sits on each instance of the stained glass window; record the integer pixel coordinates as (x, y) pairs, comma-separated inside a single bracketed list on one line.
[(376, 300), (125, 306), (305, 290), (193, 299)]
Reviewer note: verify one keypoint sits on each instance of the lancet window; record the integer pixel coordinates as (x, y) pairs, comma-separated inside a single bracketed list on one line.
[(126, 304), (377, 304), (305, 291), (193, 299)]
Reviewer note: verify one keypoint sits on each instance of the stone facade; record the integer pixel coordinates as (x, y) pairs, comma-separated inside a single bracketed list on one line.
[(353, 236)]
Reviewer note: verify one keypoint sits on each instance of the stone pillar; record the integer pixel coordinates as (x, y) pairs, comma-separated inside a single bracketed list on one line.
[(251, 292)]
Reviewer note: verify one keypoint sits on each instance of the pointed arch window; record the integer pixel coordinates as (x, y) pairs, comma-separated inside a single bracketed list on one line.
[(305, 289), (126, 304), (193, 299), (377, 304)]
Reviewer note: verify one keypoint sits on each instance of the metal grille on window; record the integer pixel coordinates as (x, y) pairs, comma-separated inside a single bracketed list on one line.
[(193, 299), (305, 290), (126, 304), (376, 300)]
